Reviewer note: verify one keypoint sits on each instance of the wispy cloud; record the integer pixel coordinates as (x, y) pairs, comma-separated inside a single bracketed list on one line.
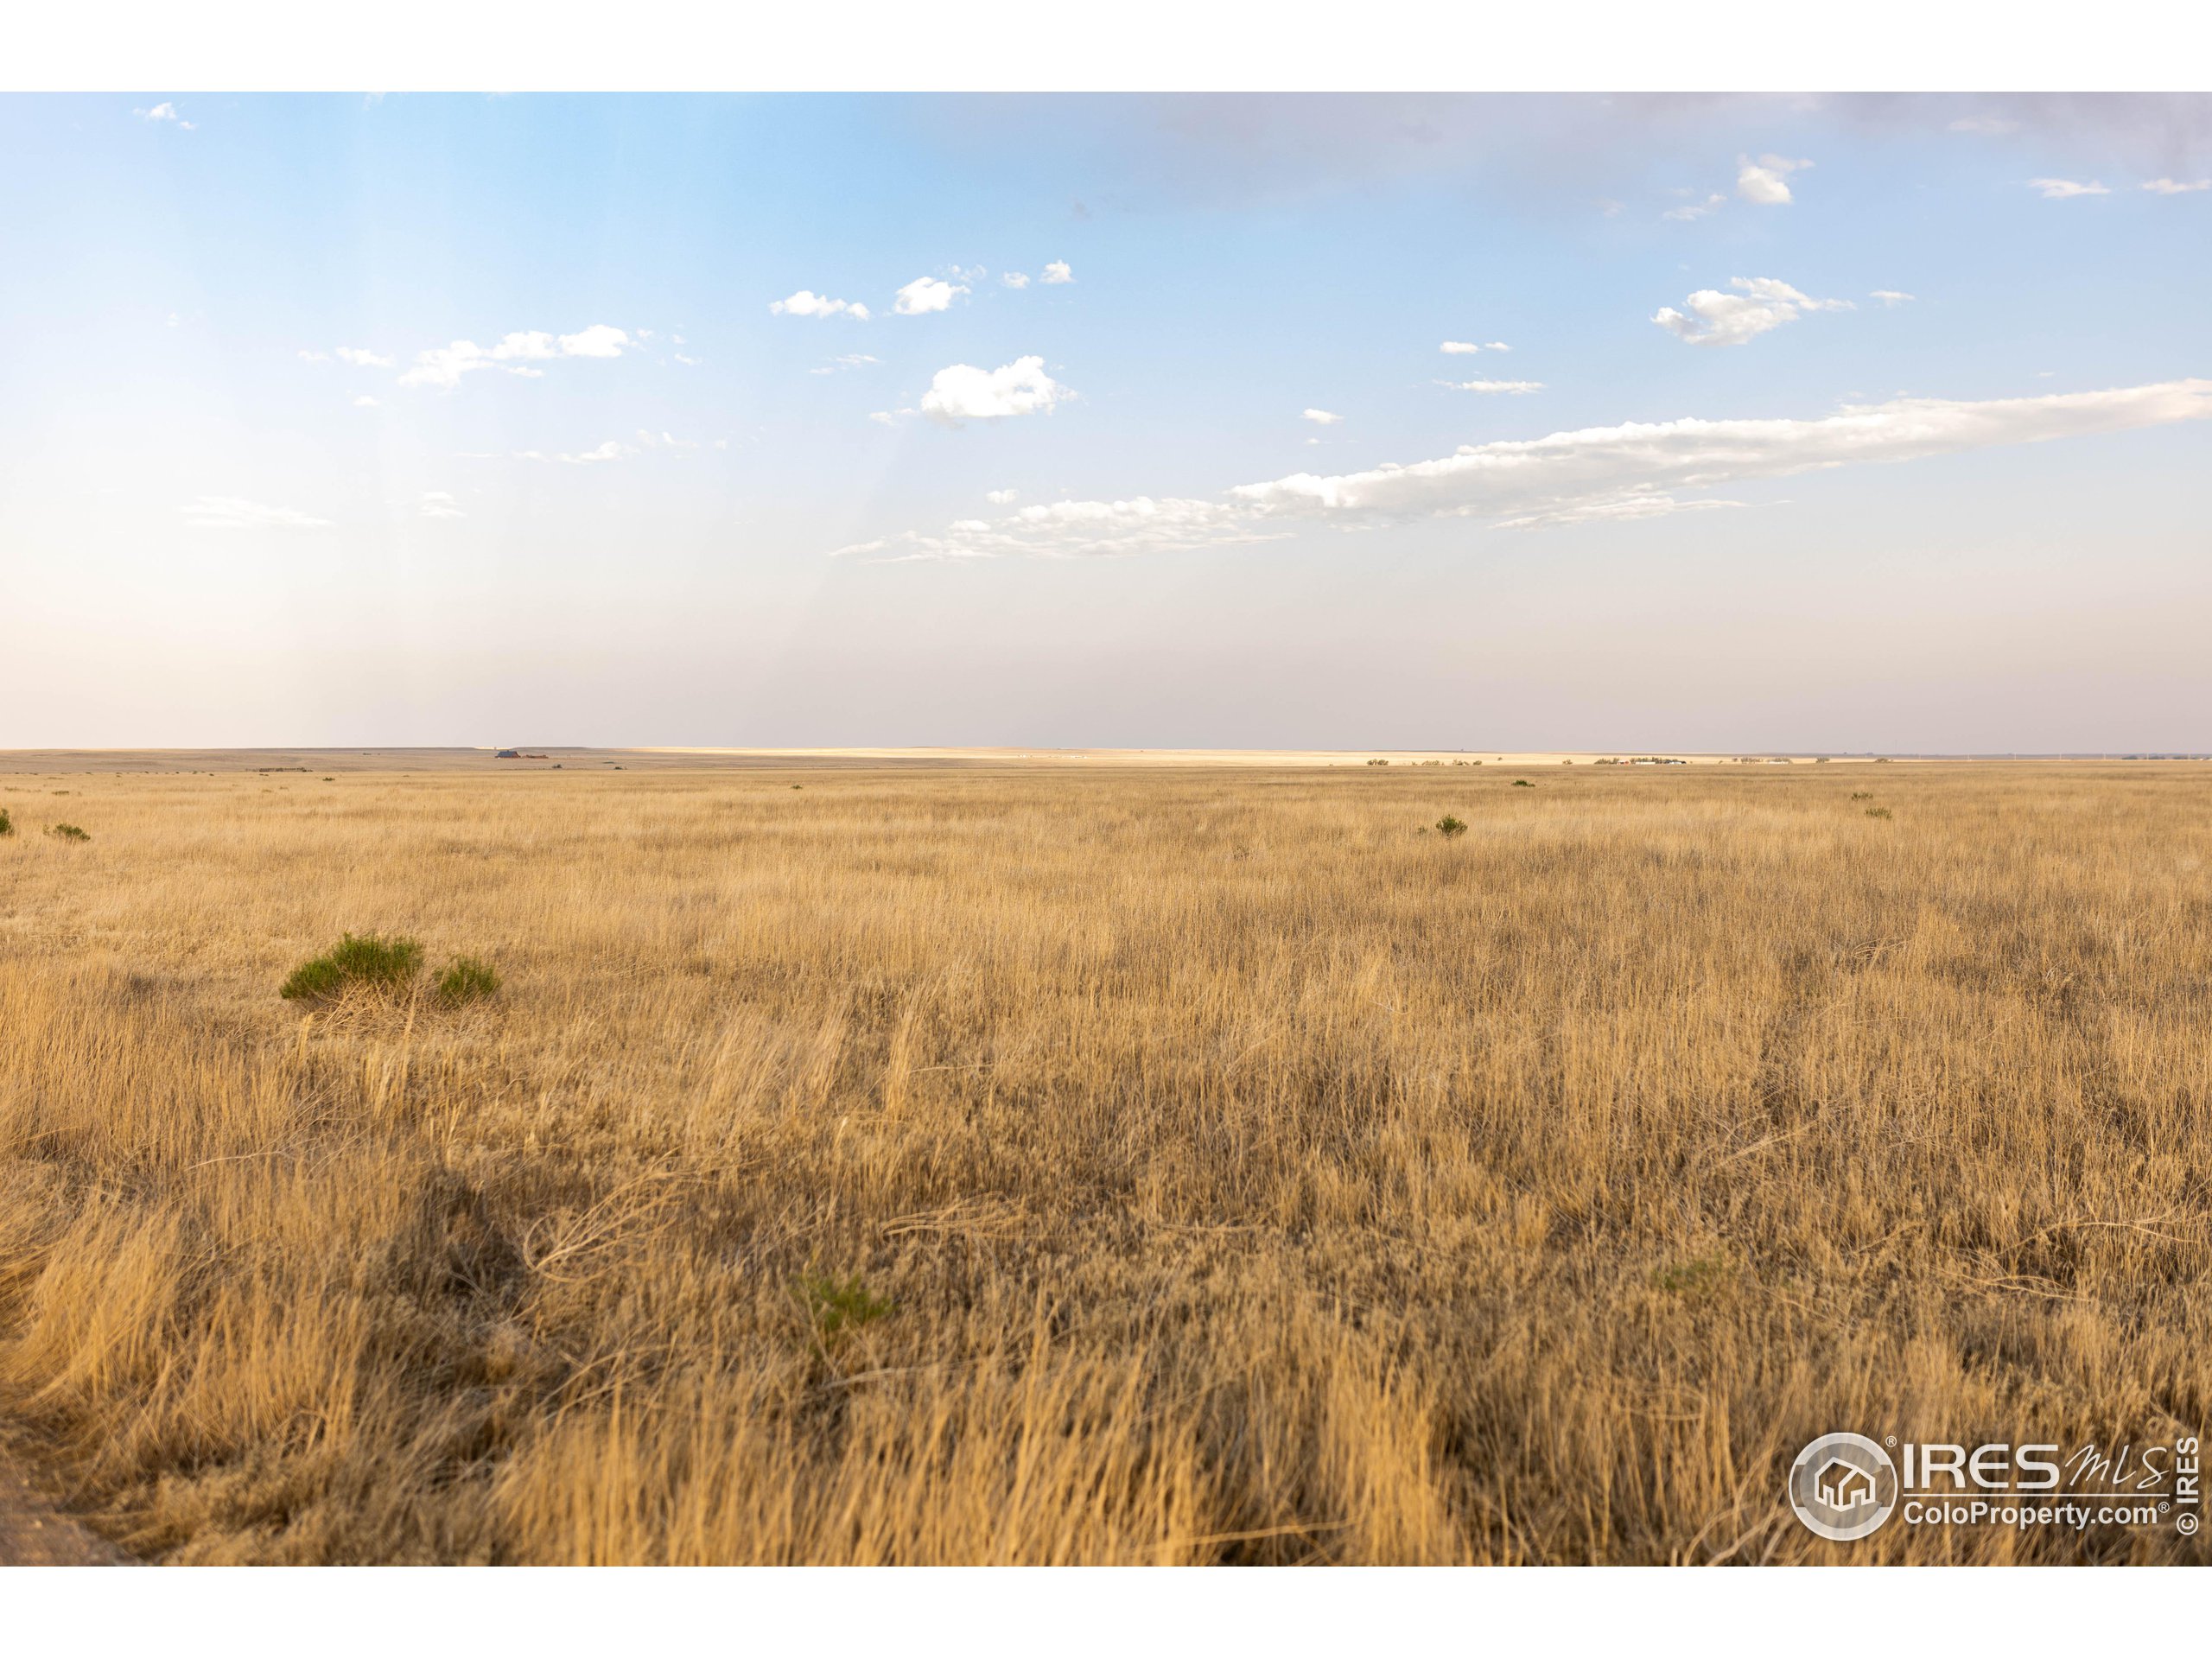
[(1323, 417), (2176, 188), (444, 365), (1468, 349), (1509, 388), (1989, 126), (1001, 498), (438, 504), (1627, 472), (2060, 189), (1765, 181), (1689, 210), (965, 392), (235, 512), (1891, 296), (1763, 303), (612, 449), (807, 303), (1015, 278), (165, 112)]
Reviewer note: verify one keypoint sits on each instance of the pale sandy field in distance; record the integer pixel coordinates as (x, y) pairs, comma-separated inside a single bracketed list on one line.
[(874, 1158)]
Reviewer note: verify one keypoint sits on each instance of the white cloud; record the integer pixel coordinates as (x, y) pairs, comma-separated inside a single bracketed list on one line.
[(2060, 189), (689, 362), (1765, 180), (1322, 417), (1067, 529), (1001, 497), (1058, 272), (443, 365), (849, 360), (924, 294), (1717, 319), (612, 449), (807, 303), (599, 341), (1696, 209), (966, 393), (649, 440), (2175, 187), (234, 513), (1625, 472), (1015, 278), (1891, 296), (367, 401), (436, 504), (1515, 388), (163, 113), (1467, 348)]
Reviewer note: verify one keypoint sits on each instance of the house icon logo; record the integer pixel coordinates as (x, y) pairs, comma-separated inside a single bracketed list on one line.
[(1843, 1486)]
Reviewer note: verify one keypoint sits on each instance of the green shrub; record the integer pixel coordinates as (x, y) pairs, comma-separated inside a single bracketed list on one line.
[(1447, 826), (366, 959), (1523, 783), (836, 1303), (7, 823), (1861, 795), (1877, 811), (66, 832), (467, 980)]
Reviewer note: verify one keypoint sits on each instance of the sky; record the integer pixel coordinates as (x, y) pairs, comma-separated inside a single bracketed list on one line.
[(1715, 423)]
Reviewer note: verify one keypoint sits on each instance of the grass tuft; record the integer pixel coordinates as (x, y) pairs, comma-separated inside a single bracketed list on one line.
[(467, 980), (837, 1304), (363, 959)]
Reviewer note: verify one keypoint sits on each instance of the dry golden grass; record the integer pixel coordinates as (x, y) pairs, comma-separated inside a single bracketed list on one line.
[(1251, 1177)]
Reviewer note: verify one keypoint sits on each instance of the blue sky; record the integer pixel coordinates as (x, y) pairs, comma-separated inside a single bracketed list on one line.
[(1870, 424)]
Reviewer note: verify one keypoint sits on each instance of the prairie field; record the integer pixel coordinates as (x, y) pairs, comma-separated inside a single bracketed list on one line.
[(995, 1164)]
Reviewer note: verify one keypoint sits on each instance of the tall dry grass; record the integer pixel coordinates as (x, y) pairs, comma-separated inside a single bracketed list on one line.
[(1252, 1176)]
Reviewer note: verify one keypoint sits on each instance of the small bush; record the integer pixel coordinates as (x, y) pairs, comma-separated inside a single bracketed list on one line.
[(1861, 795), (1378, 763), (66, 832), (1523, 783), (7, 823), (467, 980), (835, 1303), (1877, 811), (366, 959), (1447, 826)]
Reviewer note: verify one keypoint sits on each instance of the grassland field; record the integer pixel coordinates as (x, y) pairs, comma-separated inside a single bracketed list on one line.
[(1006, 1164)]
